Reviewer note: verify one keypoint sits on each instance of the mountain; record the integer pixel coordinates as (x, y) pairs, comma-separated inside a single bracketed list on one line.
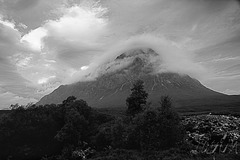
[(112, 86)]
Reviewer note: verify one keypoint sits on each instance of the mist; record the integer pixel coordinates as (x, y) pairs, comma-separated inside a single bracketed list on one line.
[(171, 59)]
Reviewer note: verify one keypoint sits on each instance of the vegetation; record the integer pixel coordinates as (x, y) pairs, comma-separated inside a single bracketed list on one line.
[(138, 98), (72, 130), (37, 131)]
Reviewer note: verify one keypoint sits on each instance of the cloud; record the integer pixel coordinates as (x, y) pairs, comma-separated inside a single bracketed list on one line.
[(92, 29), (224, 84), (8, 98), (232, 92), (171, 18), (11, 80), (45, 80), (173, 59), (89, 30), (9, 35), (34, 38), (21, 4), (77, 24), (76, 33), (53, 45), (59, 46), (9, 39), (31, 13)]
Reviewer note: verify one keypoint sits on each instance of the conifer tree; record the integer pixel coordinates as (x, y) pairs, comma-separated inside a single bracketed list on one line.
[(137, 99)]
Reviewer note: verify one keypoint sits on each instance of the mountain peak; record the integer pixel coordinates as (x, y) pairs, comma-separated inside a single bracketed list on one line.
[(137, 52), (134, 62), (113, 85)]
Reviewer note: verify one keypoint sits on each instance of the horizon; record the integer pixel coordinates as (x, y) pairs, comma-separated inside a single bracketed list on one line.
[(45, 44)]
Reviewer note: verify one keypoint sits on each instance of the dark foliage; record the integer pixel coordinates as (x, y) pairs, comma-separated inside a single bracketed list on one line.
[(158, 129), (137, 99), (171, 154), (37, 131), (152, 129), (25, 132), (73, 131)]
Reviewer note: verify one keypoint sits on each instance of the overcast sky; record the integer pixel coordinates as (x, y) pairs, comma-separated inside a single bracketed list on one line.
[(46, 43)]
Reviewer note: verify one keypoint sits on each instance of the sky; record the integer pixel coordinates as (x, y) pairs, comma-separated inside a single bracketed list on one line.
[(44, 44)]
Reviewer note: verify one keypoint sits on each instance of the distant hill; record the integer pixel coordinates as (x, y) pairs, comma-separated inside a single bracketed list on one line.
[(112, 88)]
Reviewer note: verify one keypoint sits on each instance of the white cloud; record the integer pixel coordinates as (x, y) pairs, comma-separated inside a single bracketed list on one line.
[(172, 58), (34, 38), (9, 36), (21, 25), (232, 92), (7, 23), (78, 24), (45, 80), (84, 68)]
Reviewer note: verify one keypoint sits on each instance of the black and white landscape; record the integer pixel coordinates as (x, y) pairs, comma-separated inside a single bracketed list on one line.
[(119, 79), (113, 86)]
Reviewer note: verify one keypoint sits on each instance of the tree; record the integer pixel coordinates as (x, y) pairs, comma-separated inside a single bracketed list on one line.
[(157, 129), (76, 118), (166, 104), (167, 109), (69, 100), (137, 99)]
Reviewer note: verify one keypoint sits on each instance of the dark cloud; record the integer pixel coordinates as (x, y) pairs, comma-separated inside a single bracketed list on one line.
[(31, 13), (20, 4)]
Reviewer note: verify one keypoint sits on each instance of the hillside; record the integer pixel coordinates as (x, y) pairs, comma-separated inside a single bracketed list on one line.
[(113, 87)]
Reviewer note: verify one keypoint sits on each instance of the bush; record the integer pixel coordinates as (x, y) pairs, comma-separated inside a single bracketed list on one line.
[(158, 129), (28, 132), (153, 129)]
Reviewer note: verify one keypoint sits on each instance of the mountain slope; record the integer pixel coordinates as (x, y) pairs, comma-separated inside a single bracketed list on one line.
[(113, 87)]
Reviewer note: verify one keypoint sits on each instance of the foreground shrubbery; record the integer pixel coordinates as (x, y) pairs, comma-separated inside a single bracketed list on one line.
[(37, 131), (73, 131), (152, 129)]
